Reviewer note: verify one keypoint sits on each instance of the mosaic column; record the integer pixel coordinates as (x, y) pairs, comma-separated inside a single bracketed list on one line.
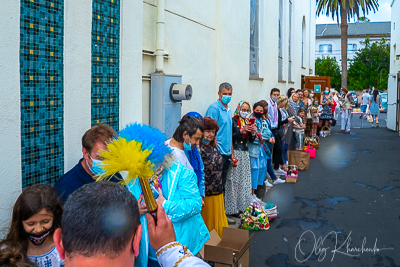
[(41, 70), (105, 62)]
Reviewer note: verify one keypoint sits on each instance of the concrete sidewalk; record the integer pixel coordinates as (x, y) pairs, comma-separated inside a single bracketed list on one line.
[(352, 191)]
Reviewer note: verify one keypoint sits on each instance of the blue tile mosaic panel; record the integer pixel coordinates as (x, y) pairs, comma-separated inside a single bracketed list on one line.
[(41, 74), (105, 62)]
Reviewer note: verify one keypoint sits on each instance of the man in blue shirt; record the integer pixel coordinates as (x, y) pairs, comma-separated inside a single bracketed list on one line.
[(365, 99), (221, 112), (87, 168)]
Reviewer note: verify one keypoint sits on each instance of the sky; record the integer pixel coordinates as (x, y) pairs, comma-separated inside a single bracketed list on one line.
[(383, 14)]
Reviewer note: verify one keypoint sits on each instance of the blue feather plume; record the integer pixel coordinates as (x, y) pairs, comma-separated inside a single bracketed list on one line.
[(151, 138)]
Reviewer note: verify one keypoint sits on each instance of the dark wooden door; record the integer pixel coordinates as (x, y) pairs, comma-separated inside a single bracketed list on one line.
[(317, 84)]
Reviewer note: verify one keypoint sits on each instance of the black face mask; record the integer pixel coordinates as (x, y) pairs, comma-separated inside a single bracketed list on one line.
[(39, 239), (258, 115)]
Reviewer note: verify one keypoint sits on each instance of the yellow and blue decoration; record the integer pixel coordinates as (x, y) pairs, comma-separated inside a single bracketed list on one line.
[(139, 150)]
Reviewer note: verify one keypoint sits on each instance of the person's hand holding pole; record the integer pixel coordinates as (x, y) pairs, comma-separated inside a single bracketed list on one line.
[(161, 233)]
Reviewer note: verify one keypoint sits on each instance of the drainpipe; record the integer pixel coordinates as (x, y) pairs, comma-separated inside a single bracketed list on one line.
[(309, 41), (160, 23)]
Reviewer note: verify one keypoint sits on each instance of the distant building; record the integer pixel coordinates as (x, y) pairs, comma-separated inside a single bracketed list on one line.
[(328, 41)]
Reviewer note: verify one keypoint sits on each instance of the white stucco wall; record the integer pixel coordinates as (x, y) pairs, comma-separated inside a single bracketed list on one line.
[(77, 77), (395, 37), (131, 41), (10, 135), (209, 42), (77, 71), (192, 55)]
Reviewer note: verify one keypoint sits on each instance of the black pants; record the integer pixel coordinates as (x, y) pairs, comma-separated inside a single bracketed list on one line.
[(277, 150), (226, 162)]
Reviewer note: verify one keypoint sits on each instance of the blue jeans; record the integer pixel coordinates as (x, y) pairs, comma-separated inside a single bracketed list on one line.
[(363, 108), (270, 170)]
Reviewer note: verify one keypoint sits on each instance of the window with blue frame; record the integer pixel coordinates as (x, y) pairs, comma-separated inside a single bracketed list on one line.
[(325, 48)]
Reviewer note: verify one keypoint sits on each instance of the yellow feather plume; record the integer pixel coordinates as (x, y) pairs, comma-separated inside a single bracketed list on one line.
[(123, 155)]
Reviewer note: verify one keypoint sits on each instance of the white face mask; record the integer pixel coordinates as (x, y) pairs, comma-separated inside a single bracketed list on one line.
[(243, 114), (311, 95)]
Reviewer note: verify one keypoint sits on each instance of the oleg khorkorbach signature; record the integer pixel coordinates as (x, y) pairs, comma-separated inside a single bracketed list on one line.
[(319, 250)]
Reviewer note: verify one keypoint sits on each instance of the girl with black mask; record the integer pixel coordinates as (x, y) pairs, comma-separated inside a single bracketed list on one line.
[(29, 242), (260, 150)]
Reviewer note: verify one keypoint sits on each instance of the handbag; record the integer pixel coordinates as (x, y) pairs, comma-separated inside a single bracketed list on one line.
[(325, 132), (370, 119), (299, 158), (309, 116), (271, 210), (311, 150)]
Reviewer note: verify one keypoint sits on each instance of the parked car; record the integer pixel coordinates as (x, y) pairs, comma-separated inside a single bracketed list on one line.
[(384, 101), (355, 97)]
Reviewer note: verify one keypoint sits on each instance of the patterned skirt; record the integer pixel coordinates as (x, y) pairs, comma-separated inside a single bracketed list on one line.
[(238, 184)]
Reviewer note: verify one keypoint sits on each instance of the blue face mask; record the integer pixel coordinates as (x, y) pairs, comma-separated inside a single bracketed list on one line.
[(226, 99), (205, 141), (96, 167), (326, 92), (187, 147)]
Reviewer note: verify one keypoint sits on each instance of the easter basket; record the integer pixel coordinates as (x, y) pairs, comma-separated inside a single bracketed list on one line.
[(255, 218)]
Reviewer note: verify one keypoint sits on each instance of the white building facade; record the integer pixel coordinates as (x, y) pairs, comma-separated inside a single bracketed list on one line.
[(96, 58), (393, 112), (395, 38), (328, 38)]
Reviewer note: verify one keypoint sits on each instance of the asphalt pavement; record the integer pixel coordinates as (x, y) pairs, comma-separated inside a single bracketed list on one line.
[(343, 211)]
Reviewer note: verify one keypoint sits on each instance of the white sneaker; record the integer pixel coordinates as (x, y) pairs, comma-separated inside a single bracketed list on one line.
[(254, 198), (267, 183), (230, 220), (279, 181), (279, 172)]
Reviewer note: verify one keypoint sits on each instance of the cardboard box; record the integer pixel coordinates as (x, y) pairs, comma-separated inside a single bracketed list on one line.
[(230, 251)]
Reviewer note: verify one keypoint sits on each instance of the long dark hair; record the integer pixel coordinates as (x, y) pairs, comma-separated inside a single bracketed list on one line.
[(33, 199), (187, 124), (376, 93), (265, 106)]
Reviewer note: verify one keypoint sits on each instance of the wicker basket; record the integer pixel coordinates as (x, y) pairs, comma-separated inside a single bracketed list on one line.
[(325, 132), (291, 180), (314, 140)]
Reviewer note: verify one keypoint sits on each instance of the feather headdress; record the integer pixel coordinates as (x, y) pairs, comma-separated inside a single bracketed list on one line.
[(139, 150)]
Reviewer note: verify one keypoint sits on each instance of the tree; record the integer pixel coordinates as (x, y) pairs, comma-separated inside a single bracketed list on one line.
[(370, 66), (328, 67), (345, 9)]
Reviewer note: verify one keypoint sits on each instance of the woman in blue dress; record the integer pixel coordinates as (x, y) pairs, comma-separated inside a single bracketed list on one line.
[(375, 102)]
